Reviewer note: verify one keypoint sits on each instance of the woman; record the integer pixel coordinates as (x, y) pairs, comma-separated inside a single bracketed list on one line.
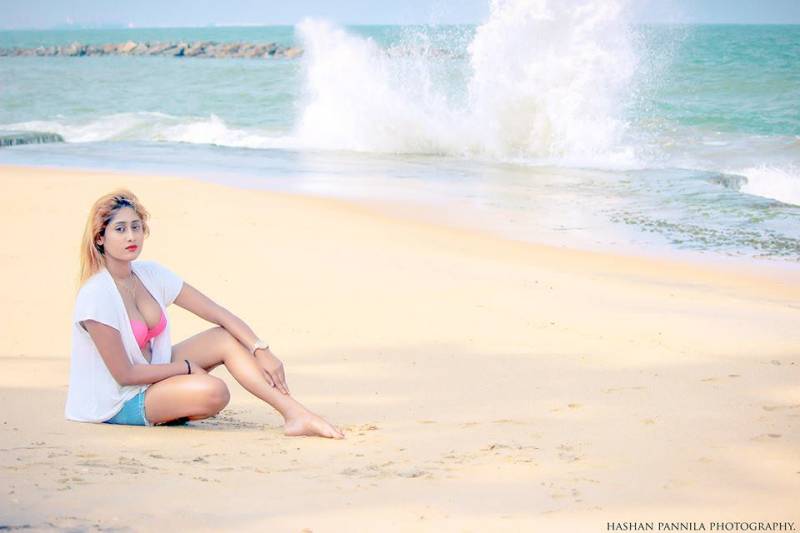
[(124, 369)]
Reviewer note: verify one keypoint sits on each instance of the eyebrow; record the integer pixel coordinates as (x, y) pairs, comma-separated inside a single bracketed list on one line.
[(125, 222)]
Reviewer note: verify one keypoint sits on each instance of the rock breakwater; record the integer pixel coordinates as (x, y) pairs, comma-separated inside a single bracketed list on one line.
[(14, 138), (207, 49)]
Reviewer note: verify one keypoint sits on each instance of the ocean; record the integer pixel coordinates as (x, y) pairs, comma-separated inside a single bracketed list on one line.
[(574, 128)]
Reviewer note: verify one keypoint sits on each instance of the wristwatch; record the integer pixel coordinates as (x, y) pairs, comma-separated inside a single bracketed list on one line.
[(259, 344)]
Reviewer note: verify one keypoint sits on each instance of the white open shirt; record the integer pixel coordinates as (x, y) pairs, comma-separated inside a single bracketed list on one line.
[(94, 395)]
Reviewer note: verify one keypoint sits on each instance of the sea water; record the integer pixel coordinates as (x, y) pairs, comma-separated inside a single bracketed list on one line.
[(552, 121)]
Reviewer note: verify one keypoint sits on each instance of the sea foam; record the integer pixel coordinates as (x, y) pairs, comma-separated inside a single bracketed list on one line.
[(782, 184), (547, 83), (154, 126)]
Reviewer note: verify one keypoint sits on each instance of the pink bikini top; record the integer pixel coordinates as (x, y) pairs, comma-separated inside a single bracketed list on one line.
[(143, 335)]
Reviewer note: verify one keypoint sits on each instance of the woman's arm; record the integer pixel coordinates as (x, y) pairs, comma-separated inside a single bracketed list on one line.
[(201, 305), (109, 344)]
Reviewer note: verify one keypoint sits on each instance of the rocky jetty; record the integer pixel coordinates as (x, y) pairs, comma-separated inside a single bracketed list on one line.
[(146, 48), (13, 138)]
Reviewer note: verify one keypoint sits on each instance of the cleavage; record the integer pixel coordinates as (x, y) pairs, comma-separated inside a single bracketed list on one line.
[(148, 309)]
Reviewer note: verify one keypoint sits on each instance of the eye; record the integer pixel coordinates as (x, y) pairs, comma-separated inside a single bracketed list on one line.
[(120, 228)]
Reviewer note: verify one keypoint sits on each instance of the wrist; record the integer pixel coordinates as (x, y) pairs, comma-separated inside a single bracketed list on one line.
[(183, 367), (258, 345)]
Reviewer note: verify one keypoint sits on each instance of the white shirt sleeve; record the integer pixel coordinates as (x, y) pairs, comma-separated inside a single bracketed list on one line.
[(171, 283), (95, 304)]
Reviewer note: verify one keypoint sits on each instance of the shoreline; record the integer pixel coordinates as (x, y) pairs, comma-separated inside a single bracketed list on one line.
[(429, 211), (483, 383)]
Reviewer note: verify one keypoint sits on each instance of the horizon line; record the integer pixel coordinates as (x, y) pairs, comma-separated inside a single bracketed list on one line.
[(291, 25)]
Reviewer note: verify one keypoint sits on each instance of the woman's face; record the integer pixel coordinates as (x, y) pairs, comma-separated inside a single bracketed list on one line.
[(123, 236)]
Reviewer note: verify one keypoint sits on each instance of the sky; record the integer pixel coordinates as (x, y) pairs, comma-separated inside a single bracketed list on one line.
[(40, 14)]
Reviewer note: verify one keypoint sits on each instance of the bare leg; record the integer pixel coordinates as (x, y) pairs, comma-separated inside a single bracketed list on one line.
[(216, 346), (193, 397)]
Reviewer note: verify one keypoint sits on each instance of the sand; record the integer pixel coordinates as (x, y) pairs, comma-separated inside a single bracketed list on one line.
[(484, 384)]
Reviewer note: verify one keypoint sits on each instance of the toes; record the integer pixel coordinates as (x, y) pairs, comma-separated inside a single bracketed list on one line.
[(330, 431), (315, 426)]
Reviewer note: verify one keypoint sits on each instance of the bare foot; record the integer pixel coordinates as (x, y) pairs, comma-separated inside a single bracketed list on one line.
[(310, 425)]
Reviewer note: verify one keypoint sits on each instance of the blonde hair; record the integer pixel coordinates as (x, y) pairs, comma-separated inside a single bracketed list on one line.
[(104, 209)]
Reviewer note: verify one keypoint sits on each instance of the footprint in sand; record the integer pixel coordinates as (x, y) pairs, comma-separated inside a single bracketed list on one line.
[(453, 457), (130, 461), (559, 492), (360, 429), (383, 470), (780, 407), (413, 473), (568, 453), (620, 389), (717, 379), (508, 421), (200, 478), (222, 421), (766, 437), (510, 453), (93, 464), (495, 446), (130, 465), (53, 455), (87, 455)]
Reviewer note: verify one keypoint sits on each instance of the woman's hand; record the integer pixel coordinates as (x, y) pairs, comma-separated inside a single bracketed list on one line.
[(272, 368)]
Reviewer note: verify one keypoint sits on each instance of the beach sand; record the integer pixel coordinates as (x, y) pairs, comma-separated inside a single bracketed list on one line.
[(483, 384)]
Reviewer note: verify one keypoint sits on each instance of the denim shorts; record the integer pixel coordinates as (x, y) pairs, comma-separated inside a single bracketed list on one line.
[(132, 413)]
